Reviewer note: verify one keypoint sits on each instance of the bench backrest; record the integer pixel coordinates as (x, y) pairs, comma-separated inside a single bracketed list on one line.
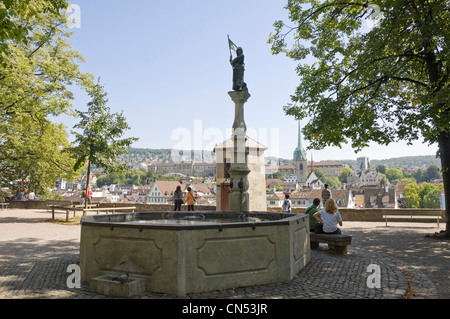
[(58, 202), (413, 213)]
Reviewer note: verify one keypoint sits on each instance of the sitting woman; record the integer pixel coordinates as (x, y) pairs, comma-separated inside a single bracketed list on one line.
[(329, 217)]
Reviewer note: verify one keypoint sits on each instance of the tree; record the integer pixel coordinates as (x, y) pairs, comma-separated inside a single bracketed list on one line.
[(320, 175), (384, 180), (418, 175), (383, 84), (99, 141), (38, 66), (429, 196), (344, 174), (333, 181), (412, 198), (381, 169), (432, 173), (394, 175)]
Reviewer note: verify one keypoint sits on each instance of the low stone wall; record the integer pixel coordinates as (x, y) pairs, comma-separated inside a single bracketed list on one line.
[(27, 204), (372, 214), (159, 207), (349, 214)]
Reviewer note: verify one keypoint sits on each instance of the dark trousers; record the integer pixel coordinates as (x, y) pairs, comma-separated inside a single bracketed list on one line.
[(190, 207), (336, 232), (178, 205)]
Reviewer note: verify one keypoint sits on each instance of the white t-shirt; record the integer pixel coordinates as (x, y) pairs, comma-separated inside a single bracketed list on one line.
[(287, 205), (330, 221)]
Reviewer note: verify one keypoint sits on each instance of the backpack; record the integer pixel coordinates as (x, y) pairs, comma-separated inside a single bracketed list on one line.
[(286, 205)]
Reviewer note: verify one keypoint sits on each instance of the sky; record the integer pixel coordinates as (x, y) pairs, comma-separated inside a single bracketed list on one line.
[(165, 65)]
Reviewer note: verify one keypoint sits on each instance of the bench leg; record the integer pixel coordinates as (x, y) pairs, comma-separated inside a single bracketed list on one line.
[(53, 213)]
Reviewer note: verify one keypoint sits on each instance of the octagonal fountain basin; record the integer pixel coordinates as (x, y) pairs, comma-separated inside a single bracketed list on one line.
[(179, 253)]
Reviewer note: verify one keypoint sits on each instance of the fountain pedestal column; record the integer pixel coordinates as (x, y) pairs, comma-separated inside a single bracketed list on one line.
[(239, 170)]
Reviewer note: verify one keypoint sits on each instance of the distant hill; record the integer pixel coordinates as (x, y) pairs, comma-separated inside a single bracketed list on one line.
[(140, 155), (400, 162)]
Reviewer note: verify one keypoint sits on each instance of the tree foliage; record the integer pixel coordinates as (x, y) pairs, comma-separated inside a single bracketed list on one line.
[(412, 197), (383, 84), (344, 174), (132, 177), (98, 141), (424, 196), (38, 68), (13, 14)]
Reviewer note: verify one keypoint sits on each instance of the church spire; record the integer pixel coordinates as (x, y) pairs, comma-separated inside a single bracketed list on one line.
[(300, 153)]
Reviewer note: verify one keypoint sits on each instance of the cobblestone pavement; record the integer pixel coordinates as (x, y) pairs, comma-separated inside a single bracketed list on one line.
[(34, 256)]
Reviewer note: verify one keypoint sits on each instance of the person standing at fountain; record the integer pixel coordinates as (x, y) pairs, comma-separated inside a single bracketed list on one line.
[(287, 204), (178, 198), (190, 199), (89, 195)]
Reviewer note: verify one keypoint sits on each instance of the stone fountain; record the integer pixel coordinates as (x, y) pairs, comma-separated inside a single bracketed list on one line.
[(184, 252)]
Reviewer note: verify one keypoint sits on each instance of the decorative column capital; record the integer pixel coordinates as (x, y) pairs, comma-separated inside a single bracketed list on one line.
[(239, 97)]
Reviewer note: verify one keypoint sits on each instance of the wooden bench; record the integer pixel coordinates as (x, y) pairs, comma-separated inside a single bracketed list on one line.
[(337, 244), (420, 215), (60, 204)]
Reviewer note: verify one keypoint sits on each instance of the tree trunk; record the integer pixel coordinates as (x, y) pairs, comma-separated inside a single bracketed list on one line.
[(87, 183), (444, 150)]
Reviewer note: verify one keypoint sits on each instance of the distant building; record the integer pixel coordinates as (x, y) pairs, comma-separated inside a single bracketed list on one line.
[(364, 178), (381, 197), (186, 168), (362, 163), (300, 162), (343, 198), (275, 199), (327, 168), (291, 180), (161, 192), (313, 181)]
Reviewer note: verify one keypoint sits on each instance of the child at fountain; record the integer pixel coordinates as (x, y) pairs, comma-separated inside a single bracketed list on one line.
[(190, 199)]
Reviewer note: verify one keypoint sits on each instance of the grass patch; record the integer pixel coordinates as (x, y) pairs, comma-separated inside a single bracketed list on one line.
[(74, 221)]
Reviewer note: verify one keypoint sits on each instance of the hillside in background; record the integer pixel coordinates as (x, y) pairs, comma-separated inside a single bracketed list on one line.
[(135, 156), (400, 162), (141, 155)]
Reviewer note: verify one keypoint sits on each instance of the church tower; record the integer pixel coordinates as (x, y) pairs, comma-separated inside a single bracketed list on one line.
[(300, 161)]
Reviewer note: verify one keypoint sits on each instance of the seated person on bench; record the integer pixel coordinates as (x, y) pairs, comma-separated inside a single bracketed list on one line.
[(329, 217)]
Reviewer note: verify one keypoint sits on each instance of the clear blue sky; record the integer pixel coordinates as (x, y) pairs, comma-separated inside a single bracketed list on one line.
[(165, 64)]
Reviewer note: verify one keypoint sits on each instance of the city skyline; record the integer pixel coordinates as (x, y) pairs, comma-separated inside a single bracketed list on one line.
[(166, 66)]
